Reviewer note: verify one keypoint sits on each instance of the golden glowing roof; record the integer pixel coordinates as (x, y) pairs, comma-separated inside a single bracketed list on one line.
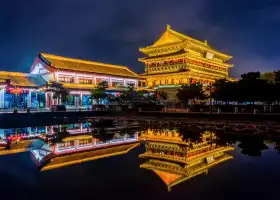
[(232, 79), (78, 86), (172, 54), (166, 135), (171, 37), (77, 158), (166, 177), (172, 136), (20, 79), (78, 137), (73, 64), (172, 174)]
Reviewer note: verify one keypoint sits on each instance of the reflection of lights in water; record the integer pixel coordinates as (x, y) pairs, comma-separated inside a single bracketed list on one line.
[(61, 155), (165, 149), (76, 146), (2, 142)]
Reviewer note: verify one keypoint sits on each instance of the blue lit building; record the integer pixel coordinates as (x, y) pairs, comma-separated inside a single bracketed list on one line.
[(24, 90)]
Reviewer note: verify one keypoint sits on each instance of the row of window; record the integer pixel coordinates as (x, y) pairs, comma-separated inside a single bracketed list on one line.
[(85, 142), (206, 70), (187, 60), (66, 79), (85, 80), (180, 81), (70, 144), (89, 80), (166, 68), (66, 145)]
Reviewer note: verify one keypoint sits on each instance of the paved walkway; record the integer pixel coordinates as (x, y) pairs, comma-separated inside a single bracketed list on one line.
[(36, 111), (22, 110)]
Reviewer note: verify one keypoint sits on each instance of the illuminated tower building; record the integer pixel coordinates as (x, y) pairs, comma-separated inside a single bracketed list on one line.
[(175, 160), (176, 59)]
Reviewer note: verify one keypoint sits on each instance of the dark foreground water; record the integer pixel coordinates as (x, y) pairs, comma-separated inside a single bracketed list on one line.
[(253, 173), (120, 177)]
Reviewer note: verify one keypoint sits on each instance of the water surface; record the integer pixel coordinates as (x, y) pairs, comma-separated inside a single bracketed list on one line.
[(253, 173)]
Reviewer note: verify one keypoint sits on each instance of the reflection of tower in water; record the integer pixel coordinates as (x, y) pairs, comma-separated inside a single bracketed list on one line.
[(175, 160)]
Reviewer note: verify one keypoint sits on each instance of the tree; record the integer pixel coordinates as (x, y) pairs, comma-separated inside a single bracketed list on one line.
[(190, 136), (59, 91), (225, 139), (98, 93), (127, 95), (253, 88), (277, 76), (277, 86), (161, 95), (252, 146), (191, 91), (277, 145), (156, 96), (143, 93), (59, 134), (250, 88), (153, 97), (268, 76), (226, 91), (251, 76)]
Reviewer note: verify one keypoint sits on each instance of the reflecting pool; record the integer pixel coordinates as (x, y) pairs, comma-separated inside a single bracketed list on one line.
[(83, 161)]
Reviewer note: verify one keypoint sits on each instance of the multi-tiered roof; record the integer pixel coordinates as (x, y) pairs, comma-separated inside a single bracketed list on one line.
[(175, 58), (175, 160), (172, 43)]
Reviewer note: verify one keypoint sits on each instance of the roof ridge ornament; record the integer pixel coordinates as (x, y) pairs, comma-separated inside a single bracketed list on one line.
[(168, 27)]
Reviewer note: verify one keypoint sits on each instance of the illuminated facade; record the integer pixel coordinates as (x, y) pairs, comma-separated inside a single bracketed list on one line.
[(80, 77), (23, 90), (81, 147), (175, 160), (176, 59)]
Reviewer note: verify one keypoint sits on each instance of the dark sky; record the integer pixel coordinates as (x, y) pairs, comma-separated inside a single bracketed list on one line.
[(111, 31)]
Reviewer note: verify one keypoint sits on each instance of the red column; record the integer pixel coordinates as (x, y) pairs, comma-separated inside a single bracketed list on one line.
[(76, 101)]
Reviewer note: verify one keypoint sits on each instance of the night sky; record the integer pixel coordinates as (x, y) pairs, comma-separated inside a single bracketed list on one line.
[(111, 31)]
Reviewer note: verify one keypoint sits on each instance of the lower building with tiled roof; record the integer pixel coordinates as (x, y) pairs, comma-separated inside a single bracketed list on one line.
[(82, 66), (21, 79), (78, 76)]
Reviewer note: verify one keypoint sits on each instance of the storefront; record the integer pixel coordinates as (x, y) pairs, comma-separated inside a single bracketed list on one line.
[(22, 99), (38, 99), (19, 90)]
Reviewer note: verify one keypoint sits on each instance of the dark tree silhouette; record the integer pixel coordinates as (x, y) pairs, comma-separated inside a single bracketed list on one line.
[(98, 93), (59, 91), (191, 92), (252, 146)]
